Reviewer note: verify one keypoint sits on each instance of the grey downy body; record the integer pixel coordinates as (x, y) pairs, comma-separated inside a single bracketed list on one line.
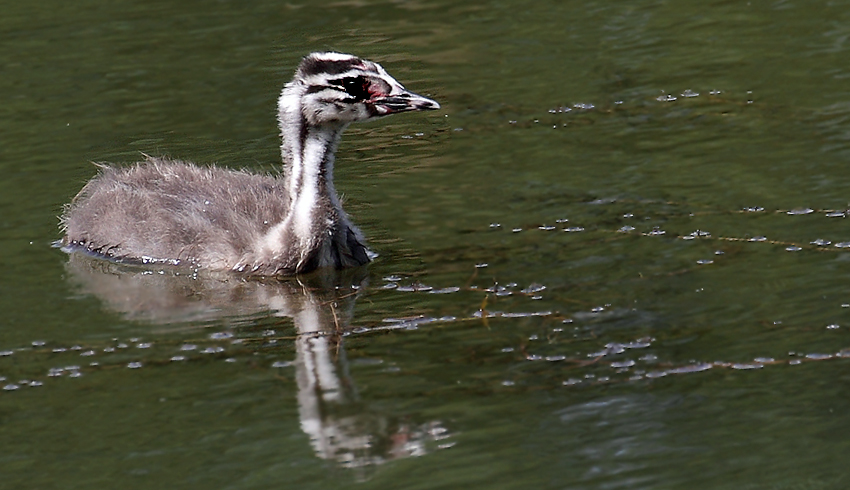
[(172, 212)]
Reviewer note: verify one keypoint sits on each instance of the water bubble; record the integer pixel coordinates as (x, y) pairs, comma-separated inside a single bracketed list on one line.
[(561, 220), (481, 265), (178, 358), (836, 214), (626, 229), (516, 230), (666, 98), (230, 359), (448, 290), (392, 278), (134, 365), (834, 326), (188, 347), (758, 239), (623, 364), (692, 368), (38, 343), (821, 242), (818, 357), (704, 261), (764, 360), (6, 353), (754, 209), (690, 93), (281, 364), (546, 228), (35, 384), (571, 382), (507, 349), (842, 245), (415, 288), (801, 211), (793, 248), (87, 353), (584, 106), (213, 350), (533, 288), (144, 345), (507, 383), (60, 349), (574, 229), (495, 225), (656, 374), (747, 366), (221, 335), (555, 358), (11, 387), (656, 232), (109, 349)]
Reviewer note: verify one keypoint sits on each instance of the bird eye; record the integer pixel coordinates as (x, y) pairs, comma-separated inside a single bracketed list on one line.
[(356, 87)]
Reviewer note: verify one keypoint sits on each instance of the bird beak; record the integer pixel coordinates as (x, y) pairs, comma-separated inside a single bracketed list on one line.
[(404, 102)]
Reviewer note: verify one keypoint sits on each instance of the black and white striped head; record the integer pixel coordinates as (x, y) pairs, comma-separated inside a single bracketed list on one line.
[(335, 88)]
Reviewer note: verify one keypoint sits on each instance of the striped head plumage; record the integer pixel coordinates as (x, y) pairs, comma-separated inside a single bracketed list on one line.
[(337, 89)]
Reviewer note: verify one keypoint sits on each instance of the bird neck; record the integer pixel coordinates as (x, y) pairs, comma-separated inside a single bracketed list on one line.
[(308, 157)]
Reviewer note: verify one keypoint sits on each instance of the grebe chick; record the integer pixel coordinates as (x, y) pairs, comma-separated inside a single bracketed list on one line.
[(172, 212)]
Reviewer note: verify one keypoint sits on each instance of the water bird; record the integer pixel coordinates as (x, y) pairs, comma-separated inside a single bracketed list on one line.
[(166, 211)]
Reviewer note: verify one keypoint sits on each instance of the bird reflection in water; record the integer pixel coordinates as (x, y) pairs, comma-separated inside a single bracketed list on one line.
[(341, 426)]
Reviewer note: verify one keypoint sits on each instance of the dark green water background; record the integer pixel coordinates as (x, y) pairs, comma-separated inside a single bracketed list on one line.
[(512, 401)]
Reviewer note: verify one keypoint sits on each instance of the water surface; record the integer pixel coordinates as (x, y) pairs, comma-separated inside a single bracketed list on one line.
[(635, 216)]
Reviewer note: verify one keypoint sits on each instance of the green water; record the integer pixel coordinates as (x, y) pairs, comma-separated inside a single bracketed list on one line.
[(431, 392)]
